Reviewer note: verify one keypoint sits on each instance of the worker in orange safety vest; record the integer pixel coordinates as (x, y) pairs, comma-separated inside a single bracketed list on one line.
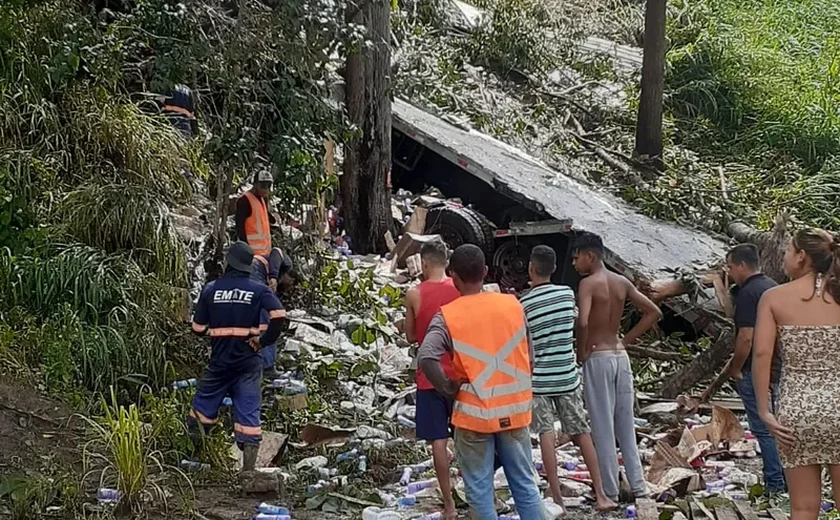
[(253, 220), (492, 360)]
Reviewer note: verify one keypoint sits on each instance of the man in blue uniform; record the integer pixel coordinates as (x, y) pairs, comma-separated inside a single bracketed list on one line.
[(275, 270), (229, 311)]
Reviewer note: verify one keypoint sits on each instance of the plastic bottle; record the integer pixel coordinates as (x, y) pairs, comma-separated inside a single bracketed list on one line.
[(406, 422), (405, 479), (263, 516), (268, 509), (570, 466), (439, 516), (185, 383), (227, 401), (191, 465), (422, 467), (630, 512), (347, 455), (108, 495), (321, 484), (362, 467), (375, 513), (407, 501), (508, 517), (574, 501), (294, 388), (416, 487)]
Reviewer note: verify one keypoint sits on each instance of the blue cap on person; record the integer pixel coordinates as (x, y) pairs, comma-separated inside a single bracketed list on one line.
[(240, 256)]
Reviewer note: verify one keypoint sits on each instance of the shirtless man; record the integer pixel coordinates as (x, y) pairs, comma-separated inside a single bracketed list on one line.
[(607, 377)]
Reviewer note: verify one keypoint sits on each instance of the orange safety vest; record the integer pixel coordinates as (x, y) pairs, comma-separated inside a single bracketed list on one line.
[(257, 227), (490, 347)]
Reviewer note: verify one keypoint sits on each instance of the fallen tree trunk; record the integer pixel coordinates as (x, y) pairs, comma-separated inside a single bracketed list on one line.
[(707, 362), (771, 244), (652, 353)]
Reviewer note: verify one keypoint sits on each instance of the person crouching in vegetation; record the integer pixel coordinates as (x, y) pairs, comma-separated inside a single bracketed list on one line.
[(229, 310)]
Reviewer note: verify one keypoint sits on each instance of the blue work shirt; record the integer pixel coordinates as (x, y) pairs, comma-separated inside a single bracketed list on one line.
[(229, 311)]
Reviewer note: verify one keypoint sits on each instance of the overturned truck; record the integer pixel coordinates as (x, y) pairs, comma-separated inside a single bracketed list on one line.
[(516, 202)]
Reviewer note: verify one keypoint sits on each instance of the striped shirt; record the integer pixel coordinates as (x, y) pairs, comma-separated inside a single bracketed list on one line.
[(551, 311)]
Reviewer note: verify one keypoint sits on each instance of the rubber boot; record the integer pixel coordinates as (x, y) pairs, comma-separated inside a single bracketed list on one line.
[(249, 456)]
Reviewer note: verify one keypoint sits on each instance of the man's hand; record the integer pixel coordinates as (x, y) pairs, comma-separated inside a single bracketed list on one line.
[(254, 343), (272, 283), (400, 325)]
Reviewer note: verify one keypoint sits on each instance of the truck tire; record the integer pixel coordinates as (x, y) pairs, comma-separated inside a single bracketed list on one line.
[(455, 226), (487, 228)]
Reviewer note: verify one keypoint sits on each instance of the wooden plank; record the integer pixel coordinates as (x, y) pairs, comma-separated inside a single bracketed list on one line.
[(777, 514), (745, 510), (646, 509), (725, 512), (704, 509)]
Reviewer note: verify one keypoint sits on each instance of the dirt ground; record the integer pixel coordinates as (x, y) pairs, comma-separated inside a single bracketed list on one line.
[(34, 430)]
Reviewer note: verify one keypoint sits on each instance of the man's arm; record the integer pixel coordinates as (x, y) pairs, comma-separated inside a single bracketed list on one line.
[(437, 342), (277, 320), (412, 303), (201, 317), (531, 356), (743, 345), (584, 308), (243, 211), (651, 313)]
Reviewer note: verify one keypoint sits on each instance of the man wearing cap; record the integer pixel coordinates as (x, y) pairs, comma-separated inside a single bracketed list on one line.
[(229, 311), (253, 220)]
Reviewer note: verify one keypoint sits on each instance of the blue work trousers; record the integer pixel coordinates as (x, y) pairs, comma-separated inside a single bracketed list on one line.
[(242, 384), (774, 476), (476, 453)]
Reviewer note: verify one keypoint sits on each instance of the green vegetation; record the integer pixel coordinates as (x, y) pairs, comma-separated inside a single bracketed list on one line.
[(754, 85)]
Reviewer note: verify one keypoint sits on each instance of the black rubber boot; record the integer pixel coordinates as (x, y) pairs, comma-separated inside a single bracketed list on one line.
[(249, 456)]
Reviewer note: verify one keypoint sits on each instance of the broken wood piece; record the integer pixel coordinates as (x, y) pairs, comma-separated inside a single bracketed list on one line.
[(745, 510), (714, 387), (389, 241), (409, 245), (725, 512), (646, 509), (417, 222), (314, 435), (415, 265), (702, 507), (725, 426)]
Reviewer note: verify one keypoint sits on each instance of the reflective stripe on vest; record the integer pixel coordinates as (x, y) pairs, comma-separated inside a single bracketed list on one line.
[(490, 347), (495, 362), (257, 227)]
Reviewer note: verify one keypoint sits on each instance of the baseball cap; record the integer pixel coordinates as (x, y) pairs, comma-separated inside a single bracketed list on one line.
[(264, 176), (240, 256)]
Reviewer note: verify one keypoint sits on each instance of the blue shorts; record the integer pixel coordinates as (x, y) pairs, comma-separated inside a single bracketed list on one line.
[(433, 415), (269, 356)]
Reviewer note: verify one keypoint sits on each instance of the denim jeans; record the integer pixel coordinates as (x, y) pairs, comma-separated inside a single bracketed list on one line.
[(476, 452), (269, 356), (774, 476)]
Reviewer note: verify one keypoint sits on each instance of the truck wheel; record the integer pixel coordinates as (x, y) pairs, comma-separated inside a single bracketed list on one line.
[(455, 226), (487, 229)]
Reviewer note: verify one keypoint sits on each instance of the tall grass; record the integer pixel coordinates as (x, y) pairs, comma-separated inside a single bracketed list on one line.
[(121, 455), (763, 72)]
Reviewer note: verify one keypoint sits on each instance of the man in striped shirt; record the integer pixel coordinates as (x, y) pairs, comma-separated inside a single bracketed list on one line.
[(550, 310)]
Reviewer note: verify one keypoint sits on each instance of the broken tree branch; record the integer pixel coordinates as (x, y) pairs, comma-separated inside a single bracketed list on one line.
[(713, 388), (707, 362), (652, 353)]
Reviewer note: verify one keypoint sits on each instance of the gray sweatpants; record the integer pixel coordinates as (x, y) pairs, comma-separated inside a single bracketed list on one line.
[(608, 393)]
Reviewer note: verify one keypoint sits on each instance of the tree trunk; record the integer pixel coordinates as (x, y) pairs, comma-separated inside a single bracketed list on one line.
[(702, 366), (649, 123), (366, 202), (771, 244)]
